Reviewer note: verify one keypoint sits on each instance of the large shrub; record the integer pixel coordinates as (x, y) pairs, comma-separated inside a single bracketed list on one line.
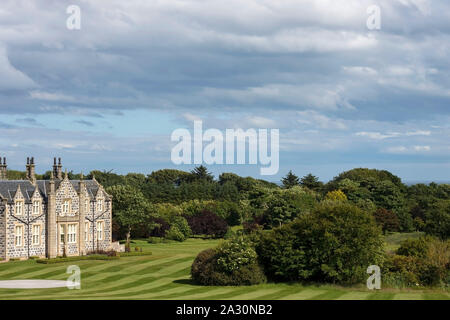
[(334, 243), (206, 271), (182, 225), (415, 247), (208, 223), (175, 234)]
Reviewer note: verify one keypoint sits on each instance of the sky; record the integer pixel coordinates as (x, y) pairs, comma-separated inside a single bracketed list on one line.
[(109, 95)]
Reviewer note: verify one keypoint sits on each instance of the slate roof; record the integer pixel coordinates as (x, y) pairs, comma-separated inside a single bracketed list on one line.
[(8, 188)]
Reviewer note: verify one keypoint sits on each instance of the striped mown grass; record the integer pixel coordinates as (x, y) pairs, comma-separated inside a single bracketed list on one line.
[(165, 275)]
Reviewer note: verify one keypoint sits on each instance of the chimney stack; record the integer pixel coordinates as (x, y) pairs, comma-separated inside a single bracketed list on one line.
[(57, 169), (3, 169), (31, 172)]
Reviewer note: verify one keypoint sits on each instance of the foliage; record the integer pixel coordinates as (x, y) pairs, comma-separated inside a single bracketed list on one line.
[(437, 219), (336, 195), (206, 271), (208, 223), (415, 247), (202, 174), (291, 180), (419, 262), (387, 220), (284, 205), (135, 254), (175, 234), (311, 182), (334, 243), (161, 226), (234, 254), (182, 225), (130, 208), (78, 258)]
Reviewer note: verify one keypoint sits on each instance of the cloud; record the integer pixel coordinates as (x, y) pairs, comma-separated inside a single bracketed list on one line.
[(315, 119), (29, 121), (309, 68), (407, 150), (47, 96), (381, 136), (12, 78), (85, 123)]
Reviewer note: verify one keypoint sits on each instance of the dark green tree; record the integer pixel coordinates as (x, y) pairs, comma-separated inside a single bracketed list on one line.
[(201, 173), (290, 180), (311, 182)]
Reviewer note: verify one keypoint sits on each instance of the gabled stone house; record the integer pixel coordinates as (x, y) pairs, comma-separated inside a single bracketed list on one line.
[(55, 217)]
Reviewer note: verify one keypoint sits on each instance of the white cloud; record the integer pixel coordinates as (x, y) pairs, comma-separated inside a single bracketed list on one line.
[(407, 150), (42, 95), (315, 119)]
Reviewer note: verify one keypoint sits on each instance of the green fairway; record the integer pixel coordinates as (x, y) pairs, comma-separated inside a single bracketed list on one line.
[(165, 275)]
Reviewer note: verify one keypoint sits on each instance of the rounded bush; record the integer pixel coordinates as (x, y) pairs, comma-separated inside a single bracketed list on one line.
[(206, 271)]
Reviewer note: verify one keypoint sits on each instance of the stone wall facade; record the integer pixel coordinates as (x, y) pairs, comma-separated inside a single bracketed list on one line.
[(24, 229)]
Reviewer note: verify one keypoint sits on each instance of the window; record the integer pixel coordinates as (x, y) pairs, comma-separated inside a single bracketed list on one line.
[(86, 231), (36, 206), (72, 233), (19, 208), (18, 236), (62, 233), (36, 233), (100, 230), (66, 207), (86, 205), (100, 205)]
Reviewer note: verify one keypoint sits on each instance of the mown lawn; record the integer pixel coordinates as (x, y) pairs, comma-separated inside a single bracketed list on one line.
[(165, 275)]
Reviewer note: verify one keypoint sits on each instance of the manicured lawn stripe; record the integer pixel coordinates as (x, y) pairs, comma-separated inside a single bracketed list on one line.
[(166, 275), (436, 296), (205, 293), (408, 296), (354, 296), (255, 294), (381, 296), (329, 295), (304, 294), (234, 291)]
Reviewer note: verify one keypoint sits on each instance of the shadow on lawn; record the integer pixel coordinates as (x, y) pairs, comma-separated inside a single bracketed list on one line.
[(186, 281)]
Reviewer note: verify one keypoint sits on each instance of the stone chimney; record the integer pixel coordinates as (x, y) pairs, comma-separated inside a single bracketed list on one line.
[(31, 172), (57, 169), (3, 169)]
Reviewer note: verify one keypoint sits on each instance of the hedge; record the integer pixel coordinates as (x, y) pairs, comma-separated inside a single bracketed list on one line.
[(77, 258), (135, 253)]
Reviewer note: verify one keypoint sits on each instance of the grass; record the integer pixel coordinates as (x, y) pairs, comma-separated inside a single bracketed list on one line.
[(165, 275)]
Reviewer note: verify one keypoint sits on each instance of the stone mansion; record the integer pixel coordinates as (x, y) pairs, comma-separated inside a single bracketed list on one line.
[(55, 217)]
